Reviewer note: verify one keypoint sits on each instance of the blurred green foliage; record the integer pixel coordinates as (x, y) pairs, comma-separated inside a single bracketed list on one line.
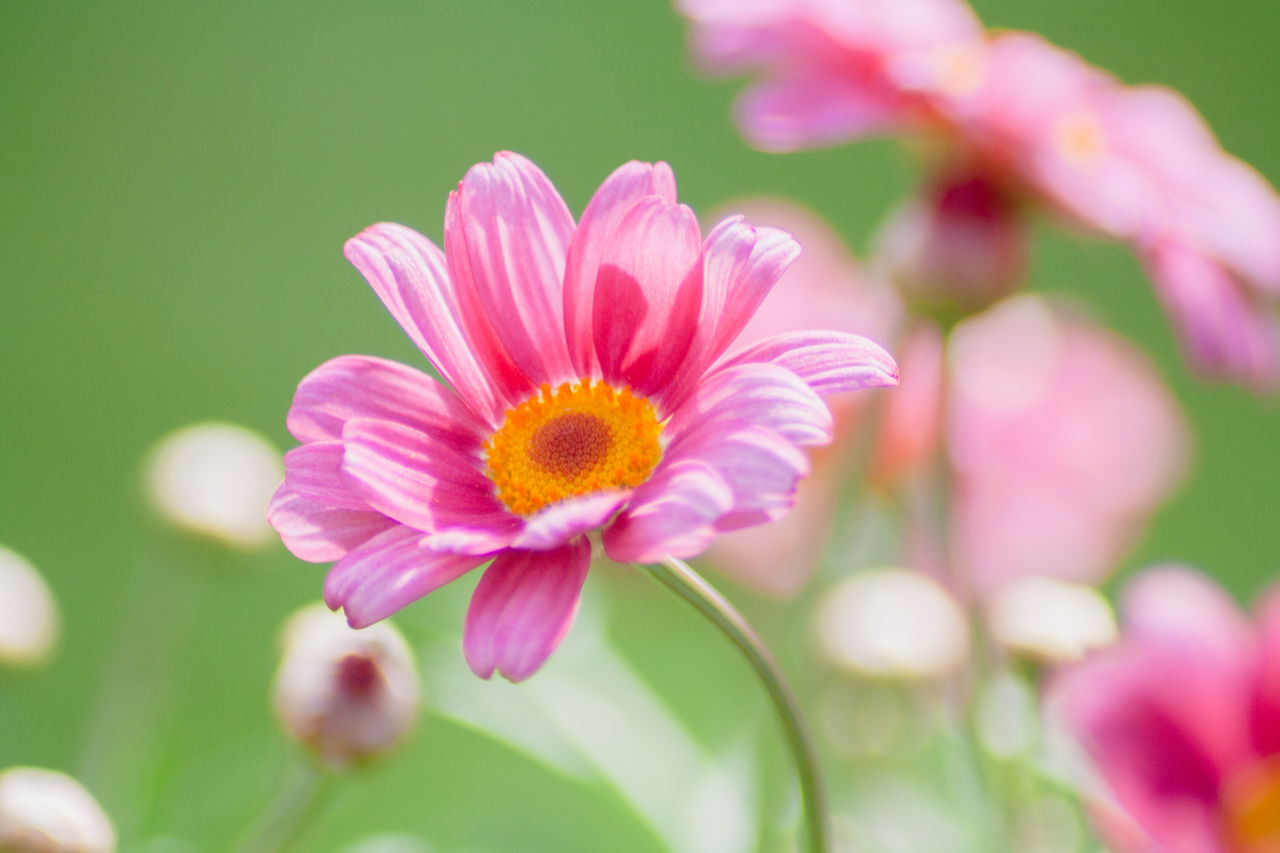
[(177, 181)]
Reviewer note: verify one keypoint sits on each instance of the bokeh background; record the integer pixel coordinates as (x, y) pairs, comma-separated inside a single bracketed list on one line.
[(176, 183)]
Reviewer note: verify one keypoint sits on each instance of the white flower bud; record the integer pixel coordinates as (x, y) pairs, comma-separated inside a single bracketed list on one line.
[(215, 479), (347, 695), (28, 612), (46, 812), (1050, 620), (892, 622)]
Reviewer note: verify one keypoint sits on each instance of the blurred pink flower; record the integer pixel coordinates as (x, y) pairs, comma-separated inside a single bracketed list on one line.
[(1182, 719), (586, 391), (828, 66), (1062, 439), (825, 287), (1030, 122)]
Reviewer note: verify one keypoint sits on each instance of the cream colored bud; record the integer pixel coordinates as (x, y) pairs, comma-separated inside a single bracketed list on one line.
[(892, 622), (28, 613), (1050, 620), (46, 812), (215, 479), (345, 694)]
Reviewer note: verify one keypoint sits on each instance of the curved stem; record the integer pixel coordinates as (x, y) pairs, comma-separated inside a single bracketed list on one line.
[(677, 576)]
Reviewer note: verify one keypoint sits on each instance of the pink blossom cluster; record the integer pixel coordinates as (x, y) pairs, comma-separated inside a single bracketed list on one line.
[(1010, 120)]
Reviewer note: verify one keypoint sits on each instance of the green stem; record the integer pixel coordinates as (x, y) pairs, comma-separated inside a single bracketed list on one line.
[(677, 576), (293, 811)]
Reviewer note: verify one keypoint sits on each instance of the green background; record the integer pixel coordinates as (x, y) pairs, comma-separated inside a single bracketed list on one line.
[(176, 183)]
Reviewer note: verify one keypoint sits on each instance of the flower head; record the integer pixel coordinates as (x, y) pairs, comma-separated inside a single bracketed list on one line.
[(42, 811), (1030, 124), (1182, 718), (348, 695), (588, 385)]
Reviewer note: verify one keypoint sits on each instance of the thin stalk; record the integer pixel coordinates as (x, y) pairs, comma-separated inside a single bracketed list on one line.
[(293, 811), (677, 576)]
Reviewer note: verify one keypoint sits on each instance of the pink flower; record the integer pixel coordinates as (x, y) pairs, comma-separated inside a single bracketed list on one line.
[(1059, 454), (1031, 122), (1182, 719), (828, 65), (586, 390)]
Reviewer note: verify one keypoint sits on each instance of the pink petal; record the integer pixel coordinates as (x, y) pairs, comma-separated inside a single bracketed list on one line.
[(1174, 606), (388, 572), (315, 471), (425, 484), (556, 525), (648, 295), (760, 466), (1226, 332), (507, 233), (362, 386), (815, 111), (740, 266), (830, 362), (523, 607), (318, 532), (612, 201), (1265, 710), (409, 275), (674, 514), (760, 394)]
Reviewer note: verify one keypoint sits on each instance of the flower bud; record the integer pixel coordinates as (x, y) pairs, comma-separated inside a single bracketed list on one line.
[(1049, 620), (956, 249), (892, 622), (345, 694), (46, 812), (28, 612), (215, 480)]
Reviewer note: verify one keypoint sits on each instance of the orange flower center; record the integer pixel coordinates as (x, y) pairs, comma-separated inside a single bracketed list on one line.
[(1251, 807), (580, 438)]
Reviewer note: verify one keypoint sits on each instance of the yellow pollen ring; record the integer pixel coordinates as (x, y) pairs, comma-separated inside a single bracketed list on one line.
[(577, 439)]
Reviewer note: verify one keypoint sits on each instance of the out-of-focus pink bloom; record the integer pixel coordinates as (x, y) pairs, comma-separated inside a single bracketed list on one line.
[(1062, 439), (1182, 719), (957, 247), (827, 65), (825, 287), (1034, 123), (586, 391)]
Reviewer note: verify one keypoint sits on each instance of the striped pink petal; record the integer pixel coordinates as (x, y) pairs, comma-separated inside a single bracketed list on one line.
[(507, 233), (318, 531), (522, 608), (410, 277), (759, 394), (425, 484), (362, 386), (559, 523), (648, 295), (672, 514), (315, 471), (829, 362), (741, 264), (388, 572), (620, 192)]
